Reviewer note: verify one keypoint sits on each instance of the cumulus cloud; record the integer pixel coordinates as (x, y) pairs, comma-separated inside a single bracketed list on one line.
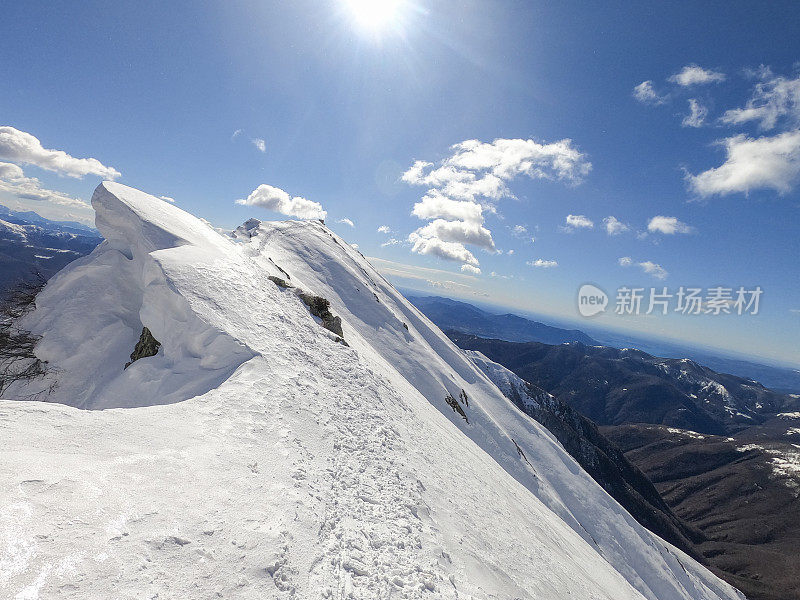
[(647, 266), (646, 94), (391, 242), (463, 232), (434, 246), (14, 183), (577, 222), (773, 98), (467, 184), (697, 114), (508, 158), (696, 75), (752, 163), (21, 147), (346, 221), (275, 199), (470, 269), (436, 205), (667, 225), (384, 229), (519, 230), (260, 144), (654, 269), (542, 264), (614, 226)]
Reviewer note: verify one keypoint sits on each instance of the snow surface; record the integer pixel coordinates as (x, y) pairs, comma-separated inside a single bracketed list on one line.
[(256, 457)]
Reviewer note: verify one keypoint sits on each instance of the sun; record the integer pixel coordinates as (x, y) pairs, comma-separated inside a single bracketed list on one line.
[(375, 14)]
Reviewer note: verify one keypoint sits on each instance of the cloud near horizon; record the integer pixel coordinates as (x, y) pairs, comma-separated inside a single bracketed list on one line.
[(21, 147), (277, 200), (14, 182), (647, 266)]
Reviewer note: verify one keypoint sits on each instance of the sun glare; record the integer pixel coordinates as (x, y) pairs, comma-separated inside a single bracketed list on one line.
[(375, 14)]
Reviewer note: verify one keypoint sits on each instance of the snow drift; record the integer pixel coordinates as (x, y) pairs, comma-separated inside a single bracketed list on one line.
[(256, 456)]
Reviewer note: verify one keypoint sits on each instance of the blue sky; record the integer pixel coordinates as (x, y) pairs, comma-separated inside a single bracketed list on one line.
[(327, 110)]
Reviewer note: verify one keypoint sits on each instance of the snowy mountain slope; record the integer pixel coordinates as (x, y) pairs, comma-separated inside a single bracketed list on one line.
[(281, 463), (601, 459)]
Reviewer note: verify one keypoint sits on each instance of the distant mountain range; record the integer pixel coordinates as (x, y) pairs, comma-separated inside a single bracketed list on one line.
[(459, 316), (465, 318), (721, 450), (31, 245), (613, 387), (602, 459)]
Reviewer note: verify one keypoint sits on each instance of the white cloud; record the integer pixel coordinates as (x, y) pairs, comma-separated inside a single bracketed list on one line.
[(470, 269), (696, 75), (275, 199), (354, 246), (508, 158), (765, 162), (436, 205), (772, 99), (434, 246), (647, 266), (384, 229), (260, 144), (577, 222), (346, 221), (654, 269), (646, 94), (519, 230), (668, 225), (697, 114), (542, 264), (10, 171), (466, 184), (614, 226), (168, 199), (391, 242), (14, 183), (510, 252), (21, 147), (463, 232), (237, 133)]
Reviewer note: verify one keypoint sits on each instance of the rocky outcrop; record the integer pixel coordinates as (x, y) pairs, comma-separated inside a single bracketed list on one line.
[(146, 346)]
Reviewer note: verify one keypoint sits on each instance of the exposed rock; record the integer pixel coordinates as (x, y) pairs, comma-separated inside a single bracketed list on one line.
[(321, 308), (453, 403), (281, 283), (146, 346)]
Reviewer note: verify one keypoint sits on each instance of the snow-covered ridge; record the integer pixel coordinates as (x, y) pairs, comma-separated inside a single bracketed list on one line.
[(281, 463)]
